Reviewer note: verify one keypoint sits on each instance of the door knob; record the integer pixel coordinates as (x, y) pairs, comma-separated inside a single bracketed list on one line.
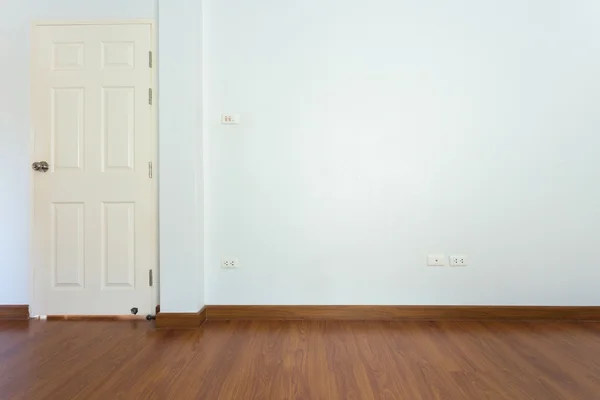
[(42, 166)]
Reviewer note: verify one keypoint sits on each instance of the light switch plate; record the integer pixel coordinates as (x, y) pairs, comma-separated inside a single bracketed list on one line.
[(436, 260)]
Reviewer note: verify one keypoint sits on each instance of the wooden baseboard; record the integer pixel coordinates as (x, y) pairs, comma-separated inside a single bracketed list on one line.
[(365, 313), (14, 313), (402, 313), (95, 318), (165, 320)]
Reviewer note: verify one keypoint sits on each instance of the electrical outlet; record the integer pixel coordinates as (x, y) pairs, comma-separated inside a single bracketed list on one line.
[(230, 119), (458, 261), (230, 263), (436, 260)]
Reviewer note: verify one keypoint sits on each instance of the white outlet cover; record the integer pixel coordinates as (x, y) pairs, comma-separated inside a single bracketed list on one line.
[(436, 260), (230, 263), (230, 119), (459, 261)]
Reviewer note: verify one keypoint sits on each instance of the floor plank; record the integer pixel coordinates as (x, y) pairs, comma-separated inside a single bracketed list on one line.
[(300, 360)]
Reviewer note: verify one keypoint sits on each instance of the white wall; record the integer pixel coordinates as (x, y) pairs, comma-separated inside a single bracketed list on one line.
[(15, 130), (180, 159), (373, 133), (376, 132)]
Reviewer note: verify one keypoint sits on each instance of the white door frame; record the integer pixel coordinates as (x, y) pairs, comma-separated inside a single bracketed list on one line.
[(34, 303)]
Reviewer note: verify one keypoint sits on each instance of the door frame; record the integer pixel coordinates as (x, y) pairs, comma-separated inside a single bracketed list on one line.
[(34, 302)]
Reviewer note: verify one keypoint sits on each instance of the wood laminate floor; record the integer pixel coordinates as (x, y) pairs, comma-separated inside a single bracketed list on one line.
[(300, 360)]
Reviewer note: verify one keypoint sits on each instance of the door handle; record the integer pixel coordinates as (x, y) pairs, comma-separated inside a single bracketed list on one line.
[(42, 166)]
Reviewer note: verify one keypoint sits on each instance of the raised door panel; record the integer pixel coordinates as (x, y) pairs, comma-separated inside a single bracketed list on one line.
[(67, 128), (118, 128), (118, 245), (68, 239)]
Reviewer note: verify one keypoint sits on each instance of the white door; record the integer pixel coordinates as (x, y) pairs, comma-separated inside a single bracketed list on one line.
[(95, 208)]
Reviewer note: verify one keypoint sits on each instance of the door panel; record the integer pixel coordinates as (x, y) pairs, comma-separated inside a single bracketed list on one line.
[(66, 132), (118, 128), (118, 245), (67, 237), (95, 209)]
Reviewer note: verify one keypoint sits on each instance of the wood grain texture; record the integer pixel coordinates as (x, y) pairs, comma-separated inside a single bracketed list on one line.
[(401, 313), (330, 360), (180, 320), (14, 312)]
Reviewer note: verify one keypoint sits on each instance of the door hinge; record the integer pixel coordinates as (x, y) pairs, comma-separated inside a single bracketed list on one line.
[(150, 96), (150, 169), (150, 280), (150, 59)]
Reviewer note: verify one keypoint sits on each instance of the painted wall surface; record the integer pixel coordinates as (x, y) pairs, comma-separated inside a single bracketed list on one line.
[(16, 17), (376, 132), (180, 158), (373, 133)]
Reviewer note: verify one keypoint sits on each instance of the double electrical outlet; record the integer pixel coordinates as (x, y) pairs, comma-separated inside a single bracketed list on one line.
[(230, 263), (439, 260)]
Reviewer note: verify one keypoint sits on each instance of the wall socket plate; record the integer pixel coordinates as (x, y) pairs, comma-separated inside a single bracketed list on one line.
[(230, 263), (436, 260), (458, 261), (230, 119)]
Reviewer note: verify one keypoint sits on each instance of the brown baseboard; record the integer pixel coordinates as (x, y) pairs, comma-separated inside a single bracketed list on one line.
[(166, 320), (95, 318), (402, 313), (14, 313)]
